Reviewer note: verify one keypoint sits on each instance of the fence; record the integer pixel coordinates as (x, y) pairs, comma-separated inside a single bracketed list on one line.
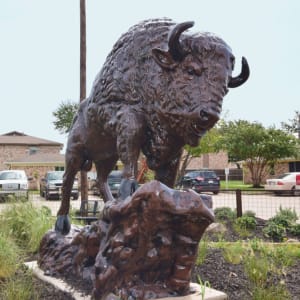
[(18, 195), (263, 203)]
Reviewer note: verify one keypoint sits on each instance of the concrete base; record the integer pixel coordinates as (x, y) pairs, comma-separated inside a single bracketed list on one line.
[(57, 283), (209, 294)]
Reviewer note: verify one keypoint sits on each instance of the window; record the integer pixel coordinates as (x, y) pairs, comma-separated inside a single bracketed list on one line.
[(59, 168), (33, 150), (294, 166)]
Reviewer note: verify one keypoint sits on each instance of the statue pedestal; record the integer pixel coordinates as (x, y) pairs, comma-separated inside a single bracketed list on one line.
[(209, 293), (144, 246)]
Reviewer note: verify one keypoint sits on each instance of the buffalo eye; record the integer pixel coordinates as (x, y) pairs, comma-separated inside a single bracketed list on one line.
[(191, 71), (194, 70)]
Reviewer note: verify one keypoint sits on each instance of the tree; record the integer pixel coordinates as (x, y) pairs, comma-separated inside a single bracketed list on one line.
[(206, 145), (259, 148), (64, 115), (294, 124)]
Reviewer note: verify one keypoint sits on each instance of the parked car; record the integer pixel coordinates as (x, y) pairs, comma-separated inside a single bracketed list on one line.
[(114, 181), (92, 180), (51, 184), (283, 183), (298, 183), (201, 181), (13, 180)]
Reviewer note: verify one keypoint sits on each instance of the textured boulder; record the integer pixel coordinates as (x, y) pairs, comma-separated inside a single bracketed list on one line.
[(144, 246)]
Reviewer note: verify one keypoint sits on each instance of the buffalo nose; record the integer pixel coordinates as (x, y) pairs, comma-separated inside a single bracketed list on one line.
[(208, 118)]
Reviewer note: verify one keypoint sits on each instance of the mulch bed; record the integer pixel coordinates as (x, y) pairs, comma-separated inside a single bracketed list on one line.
[(221, 275), (48, 291)]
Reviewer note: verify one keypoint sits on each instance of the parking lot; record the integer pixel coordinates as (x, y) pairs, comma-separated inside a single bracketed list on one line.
[(264, 204), (39, 201)]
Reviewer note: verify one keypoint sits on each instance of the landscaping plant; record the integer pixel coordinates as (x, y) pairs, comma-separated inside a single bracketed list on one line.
[(9, 256), (26, 224), (19, 287), (224, 214), (283, 222)]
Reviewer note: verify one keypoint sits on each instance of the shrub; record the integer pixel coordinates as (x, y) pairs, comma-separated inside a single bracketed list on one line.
[(224, 214), (282, 221), (276, 232), (285, 217), (288, 213), (249, 213), (246, 222), (295, 229)]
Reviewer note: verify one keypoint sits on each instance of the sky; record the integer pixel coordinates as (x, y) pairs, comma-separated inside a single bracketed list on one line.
[(39, 54)]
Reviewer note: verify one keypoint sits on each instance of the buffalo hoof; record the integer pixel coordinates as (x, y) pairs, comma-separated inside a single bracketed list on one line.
[(62, 224), (127, 188)]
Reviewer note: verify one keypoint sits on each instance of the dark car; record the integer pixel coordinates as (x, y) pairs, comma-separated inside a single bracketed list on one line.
[(51, 184), (201, 181), (114, 181)]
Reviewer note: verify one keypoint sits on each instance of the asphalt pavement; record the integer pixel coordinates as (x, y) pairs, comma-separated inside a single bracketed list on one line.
[(265, 205)]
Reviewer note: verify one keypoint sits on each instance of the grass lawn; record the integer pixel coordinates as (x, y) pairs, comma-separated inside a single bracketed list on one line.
[(235, 184)]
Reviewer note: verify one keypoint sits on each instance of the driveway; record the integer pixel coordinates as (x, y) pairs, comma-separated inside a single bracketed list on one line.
[(39, 201), (265, 205)]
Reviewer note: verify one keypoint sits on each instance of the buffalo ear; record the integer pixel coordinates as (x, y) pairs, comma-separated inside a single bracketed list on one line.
[(164, 59)]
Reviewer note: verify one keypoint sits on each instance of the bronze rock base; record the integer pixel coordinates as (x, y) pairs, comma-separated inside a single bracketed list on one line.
[(143, 247)]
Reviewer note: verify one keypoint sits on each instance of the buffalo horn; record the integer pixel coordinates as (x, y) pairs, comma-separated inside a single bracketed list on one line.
[(175, 49), (242, 78)]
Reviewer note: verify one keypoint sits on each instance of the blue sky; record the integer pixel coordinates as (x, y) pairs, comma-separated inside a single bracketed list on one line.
[(39, 53)]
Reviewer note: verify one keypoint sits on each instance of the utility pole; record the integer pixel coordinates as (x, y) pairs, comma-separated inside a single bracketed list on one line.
[(83, 174), (298, 127)]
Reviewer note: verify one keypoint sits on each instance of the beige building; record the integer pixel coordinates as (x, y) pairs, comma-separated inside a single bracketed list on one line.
[(282, 166), (217, 162), (32, 154), (211, 161)]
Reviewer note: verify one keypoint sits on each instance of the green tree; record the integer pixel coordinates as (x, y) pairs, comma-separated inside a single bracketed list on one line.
[(206, 145), (258, 147), (64, 115), (293, 126)]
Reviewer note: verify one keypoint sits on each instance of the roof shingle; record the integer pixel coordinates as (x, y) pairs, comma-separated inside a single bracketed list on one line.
[(17, 138)]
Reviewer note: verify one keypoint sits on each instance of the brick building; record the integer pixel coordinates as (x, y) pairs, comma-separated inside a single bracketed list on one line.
[(282, 166), (32, 154), (211, 161)]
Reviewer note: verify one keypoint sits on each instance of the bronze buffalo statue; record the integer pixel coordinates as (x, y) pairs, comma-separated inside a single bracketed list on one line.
[(160, 88)]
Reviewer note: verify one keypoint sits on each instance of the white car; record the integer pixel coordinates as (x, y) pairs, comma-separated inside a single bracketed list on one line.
[(283, 184), (13, 182)]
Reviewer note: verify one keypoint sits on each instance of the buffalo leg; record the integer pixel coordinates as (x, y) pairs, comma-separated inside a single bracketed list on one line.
[(103, 169), (168, 172), (73, 165), (129, 145)]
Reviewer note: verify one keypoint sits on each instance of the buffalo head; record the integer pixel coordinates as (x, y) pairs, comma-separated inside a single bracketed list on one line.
[(197, 72)]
